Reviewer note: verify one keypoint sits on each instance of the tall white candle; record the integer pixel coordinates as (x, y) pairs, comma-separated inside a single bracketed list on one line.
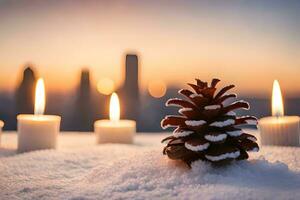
[(38, 131), (115, 130), (1, 126), (279, 129)]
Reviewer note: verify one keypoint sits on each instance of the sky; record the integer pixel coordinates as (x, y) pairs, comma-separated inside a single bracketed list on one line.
[(248, 43)]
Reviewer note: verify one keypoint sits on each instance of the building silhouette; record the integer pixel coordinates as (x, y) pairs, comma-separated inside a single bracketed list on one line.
[(83, 111), (24, 96), (129, 93)]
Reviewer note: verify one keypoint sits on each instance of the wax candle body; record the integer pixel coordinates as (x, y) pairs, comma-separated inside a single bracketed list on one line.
[(1, 126), (37, 132), (121, 131), (283, 131)]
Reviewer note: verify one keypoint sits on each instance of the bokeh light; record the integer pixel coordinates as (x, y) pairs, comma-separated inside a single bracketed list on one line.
[(105, 86), (157, 88)]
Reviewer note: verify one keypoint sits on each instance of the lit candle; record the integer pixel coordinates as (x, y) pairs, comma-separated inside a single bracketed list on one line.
[(1, 126), (279, 129), (115, 130), (38, 131)]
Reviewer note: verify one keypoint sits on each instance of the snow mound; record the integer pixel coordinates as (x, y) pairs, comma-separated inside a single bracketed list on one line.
[(140, 171), (150, 176)]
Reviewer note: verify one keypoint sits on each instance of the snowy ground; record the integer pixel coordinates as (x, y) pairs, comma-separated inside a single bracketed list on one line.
[(79, 169)]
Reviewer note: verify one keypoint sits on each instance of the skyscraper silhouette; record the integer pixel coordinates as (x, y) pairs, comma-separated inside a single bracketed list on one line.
[(83, 112), (25, 93), (130, 95)]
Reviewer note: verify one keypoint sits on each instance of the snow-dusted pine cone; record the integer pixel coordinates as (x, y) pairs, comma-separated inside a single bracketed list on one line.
[(206, 128)]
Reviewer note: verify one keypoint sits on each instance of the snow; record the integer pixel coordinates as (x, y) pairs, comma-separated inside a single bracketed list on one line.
[(223, 156), (182, 110), (251, 138), (196, 95), (172, 104), (195, 122), (231, 113), (251, 122), (214, 138), (223, 123), (212, 107), (181, 133), (200, 147), (235, 133), (254, 149), (169, 125), (79, 169), (242, 101)]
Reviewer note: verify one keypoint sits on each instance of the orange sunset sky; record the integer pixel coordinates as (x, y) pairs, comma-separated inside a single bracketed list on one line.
[(248, 43)]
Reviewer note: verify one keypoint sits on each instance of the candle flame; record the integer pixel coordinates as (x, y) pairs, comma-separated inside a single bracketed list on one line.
[(114, 108), (277, 102), (40, 98)]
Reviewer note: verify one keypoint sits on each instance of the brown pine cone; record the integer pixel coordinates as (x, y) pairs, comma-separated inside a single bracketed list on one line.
[(206, 128)]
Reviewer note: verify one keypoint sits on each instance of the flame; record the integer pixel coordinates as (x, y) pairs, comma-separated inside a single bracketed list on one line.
[(114, 108), (277, 102), (40, 99)]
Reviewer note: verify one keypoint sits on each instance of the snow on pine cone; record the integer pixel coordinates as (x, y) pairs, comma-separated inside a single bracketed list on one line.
[(206, 128)]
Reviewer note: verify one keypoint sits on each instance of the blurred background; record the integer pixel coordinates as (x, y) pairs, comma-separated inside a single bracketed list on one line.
[(146, 51)]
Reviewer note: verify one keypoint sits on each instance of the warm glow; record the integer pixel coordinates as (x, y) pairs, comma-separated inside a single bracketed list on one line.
[(114, 108), (40, 98), (157, 88), (204, 51), (105, 86), (277, 103)]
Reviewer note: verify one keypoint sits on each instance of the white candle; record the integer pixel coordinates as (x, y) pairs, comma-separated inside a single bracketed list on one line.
[(38, 131), (1, 126), (115, 130), (279, 129)]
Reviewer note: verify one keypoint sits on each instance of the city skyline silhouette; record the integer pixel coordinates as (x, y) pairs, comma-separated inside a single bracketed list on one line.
[(86, 104), (79, 109)]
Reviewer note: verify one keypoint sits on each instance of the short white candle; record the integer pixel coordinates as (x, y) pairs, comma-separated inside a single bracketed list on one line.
[(115, 130), (279, 129), (1, 126), (38, 131)]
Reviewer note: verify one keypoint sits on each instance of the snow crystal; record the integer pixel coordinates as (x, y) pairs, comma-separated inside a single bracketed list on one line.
[(223, 156), (212, 107), (223, 123), (195, 122), (217, 138), (197, 147)]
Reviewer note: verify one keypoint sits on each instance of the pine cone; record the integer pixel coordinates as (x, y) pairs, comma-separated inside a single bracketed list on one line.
[(206, 128)]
